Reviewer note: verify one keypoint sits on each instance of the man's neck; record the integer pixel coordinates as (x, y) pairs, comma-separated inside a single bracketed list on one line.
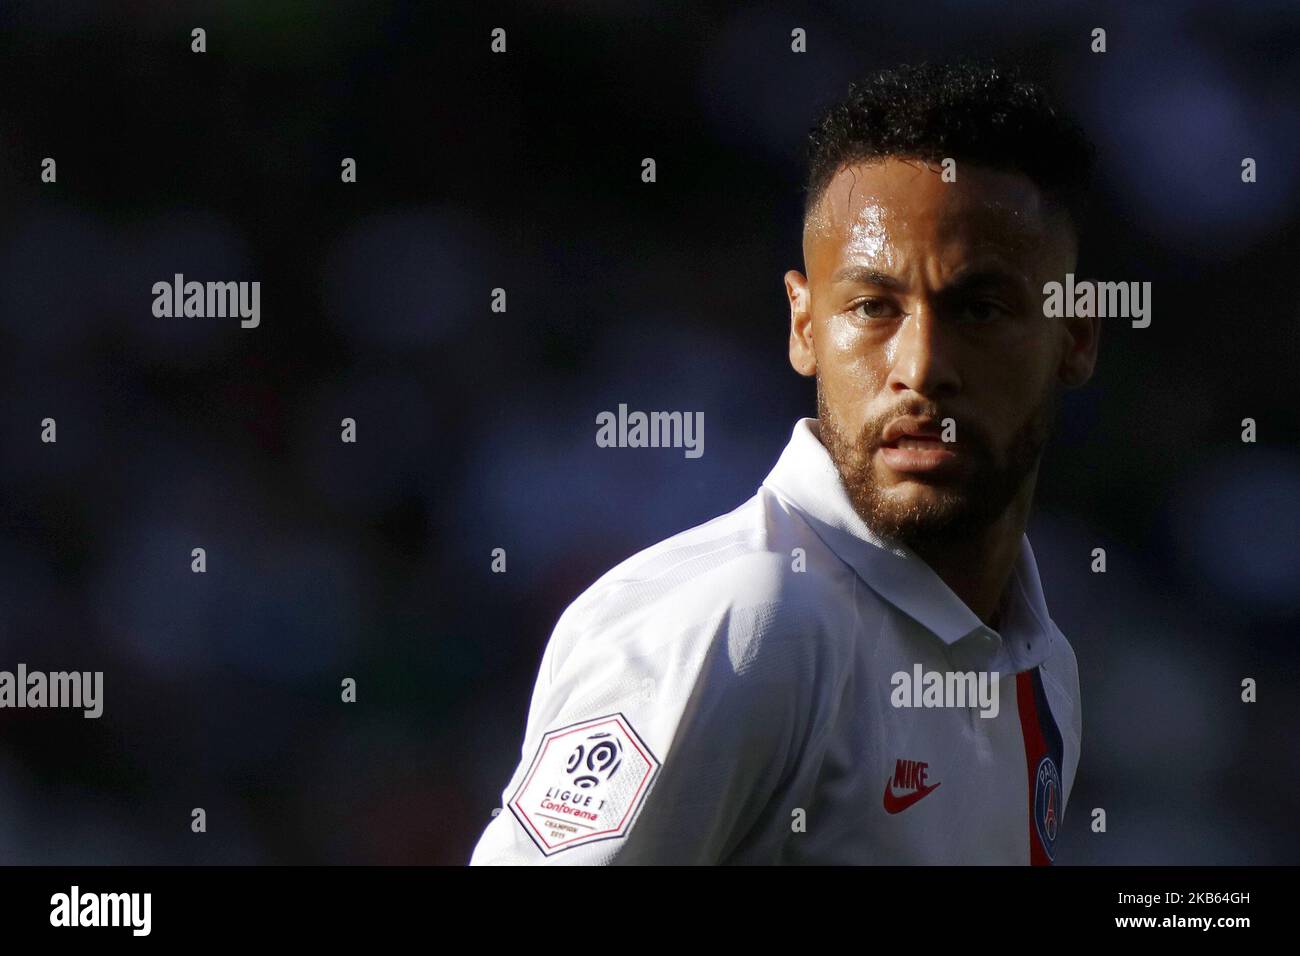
[(976, 567)]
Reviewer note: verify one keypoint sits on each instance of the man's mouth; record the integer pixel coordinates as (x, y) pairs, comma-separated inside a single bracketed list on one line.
[(915, 446), (916, 441)]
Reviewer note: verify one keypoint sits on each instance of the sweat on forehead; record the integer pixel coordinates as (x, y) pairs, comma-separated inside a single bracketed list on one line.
[(883, 194)]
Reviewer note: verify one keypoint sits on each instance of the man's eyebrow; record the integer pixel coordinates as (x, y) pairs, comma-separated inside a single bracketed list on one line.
[(977, 278), (987, 276), (865, 275)]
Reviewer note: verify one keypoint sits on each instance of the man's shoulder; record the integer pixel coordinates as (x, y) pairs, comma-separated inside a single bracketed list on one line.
[(758, 553), (757, 574)]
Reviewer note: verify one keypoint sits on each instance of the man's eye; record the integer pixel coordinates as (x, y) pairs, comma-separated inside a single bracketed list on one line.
[(875, 309), (983, 310)]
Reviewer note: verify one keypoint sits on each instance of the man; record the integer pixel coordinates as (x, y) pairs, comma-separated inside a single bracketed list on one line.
[(856, 665)]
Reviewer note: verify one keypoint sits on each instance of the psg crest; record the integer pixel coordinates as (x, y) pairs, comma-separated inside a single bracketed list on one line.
[(1047, 804)]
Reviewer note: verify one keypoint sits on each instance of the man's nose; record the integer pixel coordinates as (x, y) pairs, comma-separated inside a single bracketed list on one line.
[(924, 361)]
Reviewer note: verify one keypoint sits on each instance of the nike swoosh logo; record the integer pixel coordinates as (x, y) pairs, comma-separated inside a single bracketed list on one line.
[(897, 804)]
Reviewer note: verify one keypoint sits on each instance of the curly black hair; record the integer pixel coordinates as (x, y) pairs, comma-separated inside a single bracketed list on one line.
[(974, 111)]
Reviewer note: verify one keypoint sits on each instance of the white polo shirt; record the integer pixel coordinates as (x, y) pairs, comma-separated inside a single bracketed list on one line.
[(728, 696)]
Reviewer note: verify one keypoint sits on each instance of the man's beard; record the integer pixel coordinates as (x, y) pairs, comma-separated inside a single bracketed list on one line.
[(960, 505)]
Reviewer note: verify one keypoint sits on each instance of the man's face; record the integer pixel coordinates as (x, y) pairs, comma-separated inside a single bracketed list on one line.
[(923, 302)]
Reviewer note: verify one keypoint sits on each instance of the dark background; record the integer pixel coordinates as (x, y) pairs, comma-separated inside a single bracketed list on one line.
[(476, 429)]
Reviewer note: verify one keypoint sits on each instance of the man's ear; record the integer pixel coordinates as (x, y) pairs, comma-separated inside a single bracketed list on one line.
[(802, 354), (1080, 358)]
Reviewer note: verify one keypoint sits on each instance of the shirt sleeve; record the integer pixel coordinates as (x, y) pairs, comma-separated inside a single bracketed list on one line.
[(651, 741)]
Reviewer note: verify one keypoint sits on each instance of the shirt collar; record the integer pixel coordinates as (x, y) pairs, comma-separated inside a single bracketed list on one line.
[(806, 477)]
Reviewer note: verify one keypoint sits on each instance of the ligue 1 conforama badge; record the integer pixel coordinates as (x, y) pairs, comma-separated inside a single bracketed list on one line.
[(1047, 804), (585, 784)]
